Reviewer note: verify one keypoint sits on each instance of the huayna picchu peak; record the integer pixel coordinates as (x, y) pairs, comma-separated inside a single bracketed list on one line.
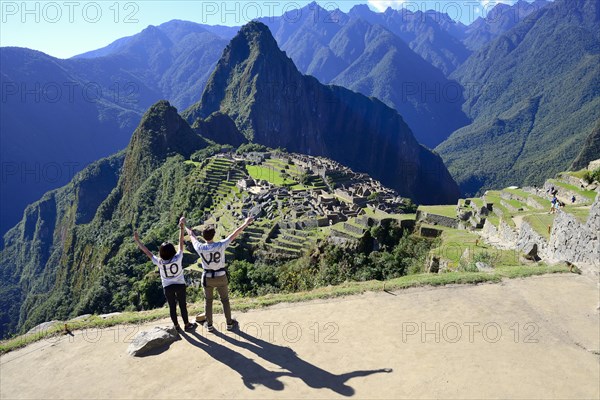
[(273, 104)]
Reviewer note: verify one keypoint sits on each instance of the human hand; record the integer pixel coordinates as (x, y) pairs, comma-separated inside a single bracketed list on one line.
[(190, 232)]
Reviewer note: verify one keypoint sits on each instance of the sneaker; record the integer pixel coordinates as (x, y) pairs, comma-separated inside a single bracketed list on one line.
[(190, 327), (208, 327), (232, 325), (177, 328)]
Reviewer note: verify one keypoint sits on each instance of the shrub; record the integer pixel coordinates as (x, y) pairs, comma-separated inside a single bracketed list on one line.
[(592, 176)]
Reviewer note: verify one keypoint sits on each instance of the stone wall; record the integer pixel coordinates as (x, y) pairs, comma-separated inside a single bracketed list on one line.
[(489, 229), (507, 233), (435, 219), (354, 229), (529, 237), (574, 241), (570, 179), (430, 232), (501, 236)]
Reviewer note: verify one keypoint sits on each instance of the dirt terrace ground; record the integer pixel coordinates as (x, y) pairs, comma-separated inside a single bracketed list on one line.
[(529, 338)]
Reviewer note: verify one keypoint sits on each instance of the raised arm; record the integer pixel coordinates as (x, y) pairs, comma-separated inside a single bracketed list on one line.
[(192, 235), (181, 233), (240, 229), (147, 252)]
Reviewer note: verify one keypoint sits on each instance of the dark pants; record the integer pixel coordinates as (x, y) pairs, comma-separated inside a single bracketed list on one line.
[(176, 293)]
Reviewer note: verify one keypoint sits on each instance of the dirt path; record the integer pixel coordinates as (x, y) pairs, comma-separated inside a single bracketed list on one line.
[(529, 338)]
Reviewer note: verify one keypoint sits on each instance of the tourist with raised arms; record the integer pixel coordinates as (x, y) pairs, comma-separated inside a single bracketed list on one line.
[(212, 257), (170, 268)]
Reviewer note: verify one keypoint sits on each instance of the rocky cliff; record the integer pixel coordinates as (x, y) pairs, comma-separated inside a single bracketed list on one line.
[(574, 241)]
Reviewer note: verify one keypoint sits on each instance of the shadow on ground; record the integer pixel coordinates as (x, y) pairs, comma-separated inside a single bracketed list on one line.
[(291, 365)]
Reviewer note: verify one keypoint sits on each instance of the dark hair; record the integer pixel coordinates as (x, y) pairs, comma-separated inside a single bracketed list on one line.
[(166, 251), (208, 234)]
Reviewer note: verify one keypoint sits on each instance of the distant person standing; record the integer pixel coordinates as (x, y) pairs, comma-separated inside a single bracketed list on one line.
[(212, 257), (573, 200), (170, 268), (554, 205)]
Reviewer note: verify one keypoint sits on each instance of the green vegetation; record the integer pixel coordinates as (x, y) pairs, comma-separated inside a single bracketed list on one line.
[(592, 176), (541, 223), (524, 195), (516, 204), (207, 152), (494, 198), (251, 147), (270, 174), (578, 174), (589, 149), (446, 211)]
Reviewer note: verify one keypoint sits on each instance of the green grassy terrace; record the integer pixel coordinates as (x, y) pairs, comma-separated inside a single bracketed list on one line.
[(577, 174), (446, 211), (580, 213), (523, 194), (269, 174), (540, 223)]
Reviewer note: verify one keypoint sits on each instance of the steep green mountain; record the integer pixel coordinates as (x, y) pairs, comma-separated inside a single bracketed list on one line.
[(71, 253), (533, 96), (498, 20), (273, 104), (35, 247)]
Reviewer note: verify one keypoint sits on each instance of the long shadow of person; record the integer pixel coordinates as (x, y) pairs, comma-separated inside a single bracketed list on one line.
[(251, 372), (287, 359)]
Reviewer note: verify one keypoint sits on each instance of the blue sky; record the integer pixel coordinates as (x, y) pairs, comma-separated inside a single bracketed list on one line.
[(65, 28)]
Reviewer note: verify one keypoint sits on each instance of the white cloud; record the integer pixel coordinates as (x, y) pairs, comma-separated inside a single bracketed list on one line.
[(382, 5)]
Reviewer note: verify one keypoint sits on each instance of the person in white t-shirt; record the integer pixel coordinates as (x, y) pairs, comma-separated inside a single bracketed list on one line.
[(212, 258), (170, 268)]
